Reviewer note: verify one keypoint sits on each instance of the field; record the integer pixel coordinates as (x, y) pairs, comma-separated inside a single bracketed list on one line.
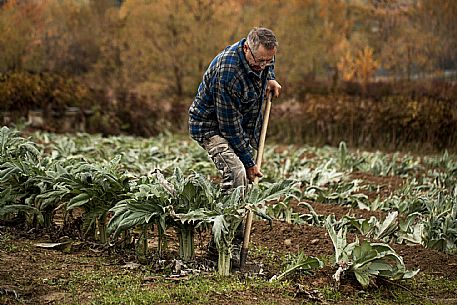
[(87, 219)]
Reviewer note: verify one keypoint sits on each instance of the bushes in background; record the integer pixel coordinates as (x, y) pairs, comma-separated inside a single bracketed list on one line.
[(422, 116), (21, 92), (105, 111), (391, 122)]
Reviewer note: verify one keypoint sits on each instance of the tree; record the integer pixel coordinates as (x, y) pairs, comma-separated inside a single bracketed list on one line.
[(439, 19), (365, 66), (71, 39), (166, 45), (20, 25), (404, 46)]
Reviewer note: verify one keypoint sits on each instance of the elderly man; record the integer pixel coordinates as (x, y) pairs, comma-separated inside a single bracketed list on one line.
[(225, 117)]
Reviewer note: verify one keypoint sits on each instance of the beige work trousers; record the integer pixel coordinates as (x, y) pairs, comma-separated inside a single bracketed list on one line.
[(228, 164)]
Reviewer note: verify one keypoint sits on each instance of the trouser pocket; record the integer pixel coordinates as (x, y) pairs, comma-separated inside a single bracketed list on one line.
[(227, 163)]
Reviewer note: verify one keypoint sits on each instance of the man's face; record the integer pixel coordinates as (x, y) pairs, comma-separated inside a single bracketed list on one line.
[(259, 59)]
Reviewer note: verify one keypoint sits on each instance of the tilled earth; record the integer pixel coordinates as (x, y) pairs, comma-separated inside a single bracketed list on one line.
[(314, 241), (36, 276)]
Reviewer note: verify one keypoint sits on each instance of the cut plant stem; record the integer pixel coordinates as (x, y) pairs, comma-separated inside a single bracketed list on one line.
[(102, 229), (223, 264), (162, 241), (186, 242), (145, 240)]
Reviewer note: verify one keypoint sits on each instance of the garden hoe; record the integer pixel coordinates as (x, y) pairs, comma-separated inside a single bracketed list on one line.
[(263, 133)]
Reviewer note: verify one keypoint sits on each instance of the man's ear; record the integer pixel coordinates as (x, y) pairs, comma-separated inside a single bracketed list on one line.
[(245, 49)]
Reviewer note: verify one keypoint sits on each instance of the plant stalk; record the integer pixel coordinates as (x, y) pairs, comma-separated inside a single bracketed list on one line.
[(186, 242), (223, 264)]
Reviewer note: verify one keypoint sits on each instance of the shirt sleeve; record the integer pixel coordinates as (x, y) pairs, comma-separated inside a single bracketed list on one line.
[(230, 119)]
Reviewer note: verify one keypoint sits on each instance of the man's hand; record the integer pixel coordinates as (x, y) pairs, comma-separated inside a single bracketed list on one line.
[(273, 86), (252, 173)]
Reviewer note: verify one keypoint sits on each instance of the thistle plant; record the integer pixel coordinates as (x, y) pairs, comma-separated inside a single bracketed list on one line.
[(146, 205), (228, 212), (96, 189), (373, 228), (364, 259), (188, 195), (173, 202), (298, 262), (19, 166)]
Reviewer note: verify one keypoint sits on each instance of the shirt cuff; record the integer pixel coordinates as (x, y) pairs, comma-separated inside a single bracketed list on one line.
[(247, 160)]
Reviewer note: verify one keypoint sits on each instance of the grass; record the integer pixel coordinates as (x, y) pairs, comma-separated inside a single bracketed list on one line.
[(424, 289), (104, 287), (331, 294), (7, 245), (94, 280)]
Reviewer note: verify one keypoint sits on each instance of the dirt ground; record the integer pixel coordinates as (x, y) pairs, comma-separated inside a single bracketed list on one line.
[(37, 275), (314, 241)]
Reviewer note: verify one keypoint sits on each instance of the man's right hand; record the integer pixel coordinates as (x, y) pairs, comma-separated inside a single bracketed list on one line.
[(275, 87), (252, 173)]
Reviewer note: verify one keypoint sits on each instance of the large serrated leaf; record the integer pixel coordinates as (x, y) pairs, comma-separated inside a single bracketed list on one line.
[(78, 201), (302, 262), (388, 226)]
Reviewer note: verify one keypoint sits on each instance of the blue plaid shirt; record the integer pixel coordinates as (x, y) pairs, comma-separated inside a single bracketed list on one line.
[(229, 102)]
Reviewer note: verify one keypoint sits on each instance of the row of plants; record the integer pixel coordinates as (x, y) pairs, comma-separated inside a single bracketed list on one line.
[(422, 209), (124, 198), (324, 178), (320, 170), (365, 260), (35, 187)]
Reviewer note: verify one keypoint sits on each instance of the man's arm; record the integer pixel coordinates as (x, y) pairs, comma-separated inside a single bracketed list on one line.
[(229, 120)]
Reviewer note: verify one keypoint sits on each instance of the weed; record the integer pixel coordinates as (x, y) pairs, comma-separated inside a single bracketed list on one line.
[(331, 294)]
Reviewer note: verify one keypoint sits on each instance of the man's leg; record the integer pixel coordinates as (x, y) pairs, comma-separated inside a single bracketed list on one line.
[(227, 163), (233, 175)]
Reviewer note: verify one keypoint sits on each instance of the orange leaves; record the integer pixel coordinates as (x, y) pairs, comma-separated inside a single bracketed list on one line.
[(11, 4), (361, 67), (365, 64), (346, 67)]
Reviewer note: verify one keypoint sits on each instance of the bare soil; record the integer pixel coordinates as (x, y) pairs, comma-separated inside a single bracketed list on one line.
[(314, 241), (32, 275), (37, 275)]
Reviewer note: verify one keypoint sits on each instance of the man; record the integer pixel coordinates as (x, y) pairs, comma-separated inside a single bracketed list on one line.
[(225, 117)]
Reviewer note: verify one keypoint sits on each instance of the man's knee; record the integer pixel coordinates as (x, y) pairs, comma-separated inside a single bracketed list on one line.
[(239, 176), (227, 162)]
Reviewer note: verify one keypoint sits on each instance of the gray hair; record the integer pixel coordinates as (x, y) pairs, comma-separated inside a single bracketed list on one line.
[(262, 36)]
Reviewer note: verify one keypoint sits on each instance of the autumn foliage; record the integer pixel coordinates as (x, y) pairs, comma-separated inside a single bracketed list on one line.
[(138, 63)]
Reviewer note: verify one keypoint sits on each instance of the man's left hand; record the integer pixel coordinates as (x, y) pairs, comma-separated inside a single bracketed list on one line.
[(274, 86)]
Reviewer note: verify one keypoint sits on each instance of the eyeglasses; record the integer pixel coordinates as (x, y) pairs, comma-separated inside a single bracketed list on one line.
[(262, 63)]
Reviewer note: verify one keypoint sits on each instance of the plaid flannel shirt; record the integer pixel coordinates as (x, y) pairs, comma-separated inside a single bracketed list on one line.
[(229, 102)]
